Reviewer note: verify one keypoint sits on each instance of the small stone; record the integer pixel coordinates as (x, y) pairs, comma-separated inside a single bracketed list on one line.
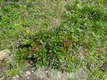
[(28, 78), (28, 73), (14, 77), (32, 71), (17, 76), (4, 54)]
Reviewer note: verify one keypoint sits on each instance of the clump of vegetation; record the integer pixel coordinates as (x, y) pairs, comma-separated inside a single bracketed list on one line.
[(46, 48)]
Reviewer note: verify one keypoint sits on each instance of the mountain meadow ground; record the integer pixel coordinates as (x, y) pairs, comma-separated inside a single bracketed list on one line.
[(61, 34)]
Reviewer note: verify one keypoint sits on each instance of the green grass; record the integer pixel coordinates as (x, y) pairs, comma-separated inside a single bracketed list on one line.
[(57, 34)]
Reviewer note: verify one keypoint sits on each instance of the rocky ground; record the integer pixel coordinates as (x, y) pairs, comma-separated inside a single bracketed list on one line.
[(50, 74), (30, 73)]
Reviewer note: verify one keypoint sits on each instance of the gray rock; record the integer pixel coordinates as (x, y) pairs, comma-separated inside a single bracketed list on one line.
[(28, 73), (4, 54)]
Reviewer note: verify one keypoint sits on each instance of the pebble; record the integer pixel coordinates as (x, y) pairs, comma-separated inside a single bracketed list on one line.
[(28, 78), (32, 71), (17, 76), (4, 54), (28, 73), (14, 77)]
